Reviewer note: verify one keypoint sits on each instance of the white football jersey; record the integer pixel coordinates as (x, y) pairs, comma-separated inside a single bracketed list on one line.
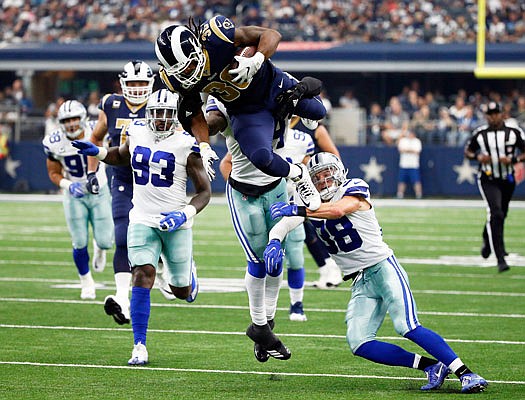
[(74, 166), (355, 241), (159, 173), (297, 145)]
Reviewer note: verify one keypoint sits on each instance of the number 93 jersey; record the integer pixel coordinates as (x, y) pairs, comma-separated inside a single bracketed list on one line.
[(355, 240), (159, 173)]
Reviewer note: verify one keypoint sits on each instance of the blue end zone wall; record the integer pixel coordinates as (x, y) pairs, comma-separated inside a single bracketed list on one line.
[(444, 171)]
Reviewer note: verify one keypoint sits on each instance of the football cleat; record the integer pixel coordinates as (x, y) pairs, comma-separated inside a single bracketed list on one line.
[(87, 285), (161, 282), (266, 342), (118, 309), (503, 266), (329, 275), (436, 375), (297, 312), (472, 383), (99, 258), (194, 284), (139, 355), (306, 189)]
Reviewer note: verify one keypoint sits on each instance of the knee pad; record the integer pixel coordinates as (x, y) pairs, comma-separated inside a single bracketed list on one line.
[(261, 157)]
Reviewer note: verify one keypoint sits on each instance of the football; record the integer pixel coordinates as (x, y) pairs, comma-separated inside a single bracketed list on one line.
[(248, 51)]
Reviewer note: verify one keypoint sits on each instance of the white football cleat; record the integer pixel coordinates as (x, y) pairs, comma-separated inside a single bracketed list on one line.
[(297, 312), (311, 124), (306, 189), (118, 308), (139, 355), (194, 283), (87, 284), (99, 258), (161, 281), (329, 275)]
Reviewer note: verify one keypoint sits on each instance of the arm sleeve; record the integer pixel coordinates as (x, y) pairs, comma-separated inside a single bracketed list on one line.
[(284, 226)]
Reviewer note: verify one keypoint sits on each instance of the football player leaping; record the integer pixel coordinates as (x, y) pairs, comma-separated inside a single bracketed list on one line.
[(258, 96), (162, 156), (347, 224), (68, 170)]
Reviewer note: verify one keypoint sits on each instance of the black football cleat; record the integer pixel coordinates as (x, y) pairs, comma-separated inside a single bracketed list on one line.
[(260, 353)]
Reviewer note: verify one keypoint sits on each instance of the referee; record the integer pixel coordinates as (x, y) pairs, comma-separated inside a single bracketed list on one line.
[(497, 147)]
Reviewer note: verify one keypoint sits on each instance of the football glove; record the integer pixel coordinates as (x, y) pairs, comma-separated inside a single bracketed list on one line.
[(208, 158), (172, 221), (282, 209), (76, 190), (92, 185), (287, 101), (86, 148), (273, 257), (247, 68)]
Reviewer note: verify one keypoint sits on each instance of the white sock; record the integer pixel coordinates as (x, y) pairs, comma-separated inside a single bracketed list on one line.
[(87, 278), (295, 171), (255, 288), (273, 284), (123, 282), (330, 263), (296, 295)]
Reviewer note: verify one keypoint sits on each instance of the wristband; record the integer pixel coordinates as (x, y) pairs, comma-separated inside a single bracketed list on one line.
[(301, 211), (102, 153), (64, 183), (190, 211)]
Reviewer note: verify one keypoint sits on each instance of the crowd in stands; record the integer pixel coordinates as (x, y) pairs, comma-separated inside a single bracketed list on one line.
[(403, 21)]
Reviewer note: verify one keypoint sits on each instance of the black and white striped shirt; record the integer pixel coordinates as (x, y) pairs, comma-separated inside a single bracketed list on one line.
[(497, 143)]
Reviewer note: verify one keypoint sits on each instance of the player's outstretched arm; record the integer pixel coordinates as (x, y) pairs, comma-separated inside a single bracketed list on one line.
[(112, 156)]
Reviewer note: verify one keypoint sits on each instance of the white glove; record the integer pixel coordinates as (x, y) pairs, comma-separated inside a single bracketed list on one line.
[(247, 68), (208, 158)]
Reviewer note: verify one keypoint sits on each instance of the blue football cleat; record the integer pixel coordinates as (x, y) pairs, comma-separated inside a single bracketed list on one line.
[(436, 375), (194, 284), (472, 383)]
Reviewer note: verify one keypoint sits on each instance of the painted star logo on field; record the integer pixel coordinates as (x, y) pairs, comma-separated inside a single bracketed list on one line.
[(466, 172), (373, 170)]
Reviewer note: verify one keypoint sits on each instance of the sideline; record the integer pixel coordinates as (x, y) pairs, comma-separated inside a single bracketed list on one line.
[(221, 200)]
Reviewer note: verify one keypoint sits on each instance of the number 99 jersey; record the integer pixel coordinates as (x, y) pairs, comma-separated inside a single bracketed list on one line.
[(159, 173), (355, 240)]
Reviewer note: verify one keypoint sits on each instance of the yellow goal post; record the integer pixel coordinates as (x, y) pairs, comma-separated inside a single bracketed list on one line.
[(481, 71)]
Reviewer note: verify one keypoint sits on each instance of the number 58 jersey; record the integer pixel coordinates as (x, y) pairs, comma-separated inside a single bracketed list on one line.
[(159, 173), (355, 240)]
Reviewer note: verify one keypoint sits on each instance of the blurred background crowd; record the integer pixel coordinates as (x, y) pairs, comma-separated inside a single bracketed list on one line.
[(400, 21)]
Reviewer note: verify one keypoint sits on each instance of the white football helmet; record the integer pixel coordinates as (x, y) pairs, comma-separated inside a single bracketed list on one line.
[(68, 110), (136, 71), (329, 182), (181, 55), (161, 113)]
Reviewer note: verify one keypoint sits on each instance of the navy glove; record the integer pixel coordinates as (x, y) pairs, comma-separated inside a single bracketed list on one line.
[(76, 190), (286, 101), (92, 185), (86, 148), (282, 209), (172, 221), (273, 257)]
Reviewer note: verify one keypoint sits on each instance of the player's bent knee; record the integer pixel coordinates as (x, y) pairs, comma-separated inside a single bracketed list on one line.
[(181, 292), (261, 158)]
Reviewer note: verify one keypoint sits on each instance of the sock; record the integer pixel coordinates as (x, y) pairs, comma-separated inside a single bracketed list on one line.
[(386, 353), (81, 258), (273, 285), (122, 282), (459, 368), (139, 310), (295, 171), (432, 343), (255, 289), (296, 284), (296, 295), (422, 362)]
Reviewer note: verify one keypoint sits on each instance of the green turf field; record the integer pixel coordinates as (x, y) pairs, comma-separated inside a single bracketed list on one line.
[(56, 346)]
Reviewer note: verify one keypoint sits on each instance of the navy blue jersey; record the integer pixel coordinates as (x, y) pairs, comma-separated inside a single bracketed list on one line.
[(119, 117), (217, 37)]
